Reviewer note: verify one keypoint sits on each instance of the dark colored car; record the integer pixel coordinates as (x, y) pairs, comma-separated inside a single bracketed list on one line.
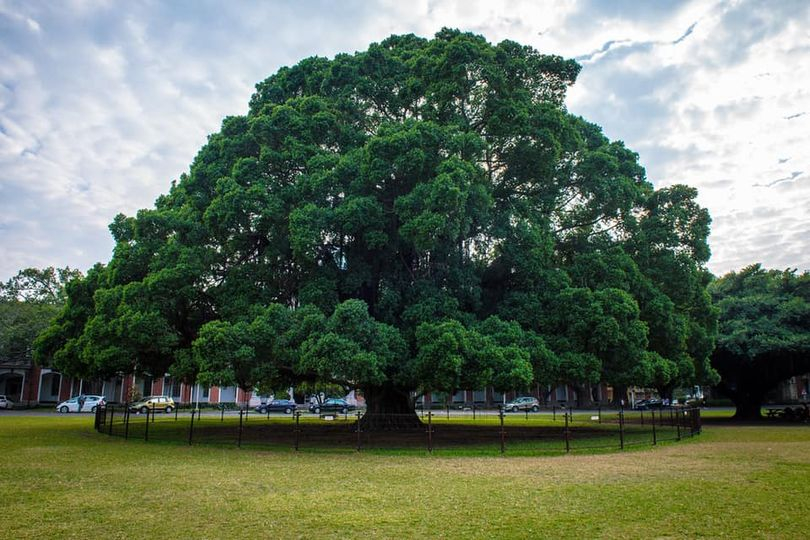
[(332, 405), (287, 406), (645, 404)]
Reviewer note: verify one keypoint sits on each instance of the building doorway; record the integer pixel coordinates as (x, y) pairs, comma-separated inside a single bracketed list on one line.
[(11, 385), (49, 387)]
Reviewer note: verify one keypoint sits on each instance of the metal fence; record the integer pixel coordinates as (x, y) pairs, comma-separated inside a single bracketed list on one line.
[(471, 431)]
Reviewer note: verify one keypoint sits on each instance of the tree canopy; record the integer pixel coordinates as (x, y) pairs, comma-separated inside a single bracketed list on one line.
[(28, 301), (421, 216), (764, 332)]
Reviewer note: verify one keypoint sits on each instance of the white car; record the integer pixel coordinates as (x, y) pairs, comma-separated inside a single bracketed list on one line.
[(6, 403), (72, 404)]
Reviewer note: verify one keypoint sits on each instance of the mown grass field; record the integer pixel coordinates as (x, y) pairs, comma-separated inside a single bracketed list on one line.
[(60, 479)]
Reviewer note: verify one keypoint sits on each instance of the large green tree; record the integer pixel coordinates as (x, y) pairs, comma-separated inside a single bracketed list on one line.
[(421, 216), (764, 333)]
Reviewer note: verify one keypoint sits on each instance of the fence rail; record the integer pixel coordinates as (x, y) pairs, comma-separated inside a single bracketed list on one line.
[(547, 432)]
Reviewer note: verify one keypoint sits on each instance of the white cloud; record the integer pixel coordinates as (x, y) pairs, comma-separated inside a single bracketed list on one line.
[(103, 104)]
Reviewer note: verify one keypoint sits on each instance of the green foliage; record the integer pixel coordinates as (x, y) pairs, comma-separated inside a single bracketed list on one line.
[(38, 286), (764, 332), (28, 302), (422, 215), (20, 323)]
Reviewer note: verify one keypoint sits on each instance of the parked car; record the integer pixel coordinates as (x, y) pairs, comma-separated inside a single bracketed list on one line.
[(332, 405), (287, 406), (91, 403), (524, 403), (644, 404), (256, 400), (153, 404), (6, 403)]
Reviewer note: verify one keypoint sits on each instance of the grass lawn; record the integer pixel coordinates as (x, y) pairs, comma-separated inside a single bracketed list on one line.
[(60, 479)]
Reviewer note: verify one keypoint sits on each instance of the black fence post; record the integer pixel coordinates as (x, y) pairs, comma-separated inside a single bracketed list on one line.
[(112, 414), (447, 405), (191, 426), (175, 413), (600, 413), (503, 434), (146, 431), (642, 417), (297, 431), (554, 412), (621, 428), (473, 411), (126, 421), (655, 441), (527, 414), (678, 424), (567, 435), (430, 432), (222, 414), (239, 434), (358, 429)]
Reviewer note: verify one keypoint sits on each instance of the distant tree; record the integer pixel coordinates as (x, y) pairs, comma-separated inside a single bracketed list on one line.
[(38, 286), (764, 333), (27, 303), (421, 216)]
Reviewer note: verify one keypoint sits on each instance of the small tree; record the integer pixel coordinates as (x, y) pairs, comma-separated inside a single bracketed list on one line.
[(28, 301), (764, 333)]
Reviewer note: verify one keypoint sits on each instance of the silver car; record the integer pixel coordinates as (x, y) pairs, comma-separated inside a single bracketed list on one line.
[(525, 403)]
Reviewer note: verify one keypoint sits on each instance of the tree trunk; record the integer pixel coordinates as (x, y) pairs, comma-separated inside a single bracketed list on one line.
[(388, 408), (749, 405), (584, 399), (620, 396), (746, 399)]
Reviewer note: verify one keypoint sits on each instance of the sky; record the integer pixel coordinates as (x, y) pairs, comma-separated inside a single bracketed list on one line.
[(103, 104)]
